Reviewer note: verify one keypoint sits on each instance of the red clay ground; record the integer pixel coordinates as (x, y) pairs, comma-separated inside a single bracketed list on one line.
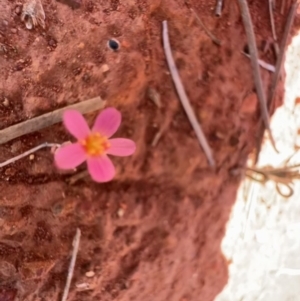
[(154, 233)]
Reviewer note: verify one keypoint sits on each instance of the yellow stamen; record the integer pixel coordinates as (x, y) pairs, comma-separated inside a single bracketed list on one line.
[(95, 144)]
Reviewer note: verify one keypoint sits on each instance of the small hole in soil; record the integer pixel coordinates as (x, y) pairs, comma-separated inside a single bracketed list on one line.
[(246, 49), (113, 44)]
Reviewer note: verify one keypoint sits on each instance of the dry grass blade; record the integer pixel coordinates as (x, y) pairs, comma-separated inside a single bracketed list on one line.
[(255, 66), (154, 96), (183, 97), (156, 138), (43, 121), (214, 39), (76, 242)]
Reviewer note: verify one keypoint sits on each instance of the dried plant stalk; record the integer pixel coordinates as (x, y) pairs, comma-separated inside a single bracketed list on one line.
[(255, 67), (213, 38), (184, 98), (43, 121)]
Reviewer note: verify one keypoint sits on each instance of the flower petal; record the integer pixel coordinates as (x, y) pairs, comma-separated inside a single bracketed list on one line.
[(69, 156), (121, 147), (76, 124), (107, 122), (101, 168)]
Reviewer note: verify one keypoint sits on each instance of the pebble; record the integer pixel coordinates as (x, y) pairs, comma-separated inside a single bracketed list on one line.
[(52, 43), (5, 23), (31, 157), (18, 10), (104, 68), (220, 135), (81, 45), (86, 77), (10, 171), (13, 30), (90, 274), (57, 208), (82, 286), (120, 212), (249, 104), (6, 102)]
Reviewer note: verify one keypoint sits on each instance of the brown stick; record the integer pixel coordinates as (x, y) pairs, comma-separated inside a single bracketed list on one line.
[(255, 67), (43, 121)]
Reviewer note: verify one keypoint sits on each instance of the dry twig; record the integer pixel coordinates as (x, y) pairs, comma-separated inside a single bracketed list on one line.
[(277, 73), (183, 97), (255, 66), (43, 121), (213, 38), (283, 44), (33, 150), (219, 7), (271, 7), (263, 64), (76, 242)]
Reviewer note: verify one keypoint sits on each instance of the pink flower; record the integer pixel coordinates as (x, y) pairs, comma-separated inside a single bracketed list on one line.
[(93, 145)]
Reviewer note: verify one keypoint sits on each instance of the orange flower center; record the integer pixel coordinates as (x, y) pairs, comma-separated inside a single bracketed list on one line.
[(95, 144)]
